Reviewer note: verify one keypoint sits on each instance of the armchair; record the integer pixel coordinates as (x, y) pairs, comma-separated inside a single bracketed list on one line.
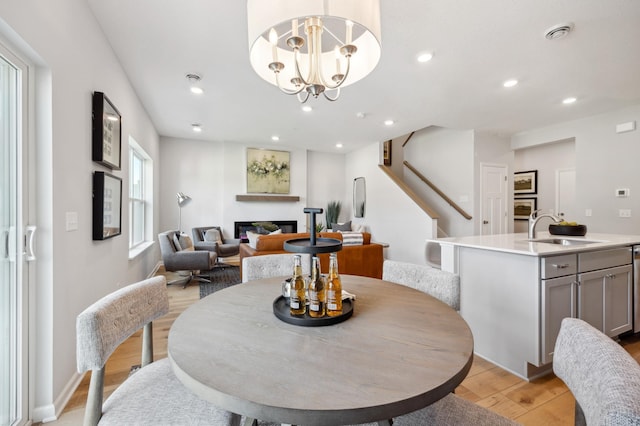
[(206, 238), (175, 258)]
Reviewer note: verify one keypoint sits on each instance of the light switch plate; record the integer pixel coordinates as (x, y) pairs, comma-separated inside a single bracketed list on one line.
[(624, 212), (71, 221)]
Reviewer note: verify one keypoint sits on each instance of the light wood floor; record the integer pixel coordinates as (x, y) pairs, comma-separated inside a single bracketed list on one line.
[(545, 401)]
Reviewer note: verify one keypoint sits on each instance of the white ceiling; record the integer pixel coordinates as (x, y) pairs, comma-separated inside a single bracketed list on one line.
[(477, 46)]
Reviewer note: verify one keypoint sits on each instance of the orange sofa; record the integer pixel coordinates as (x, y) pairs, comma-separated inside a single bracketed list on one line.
[(364, 260)]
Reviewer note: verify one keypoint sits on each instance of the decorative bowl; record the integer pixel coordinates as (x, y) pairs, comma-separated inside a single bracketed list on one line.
[(573, 230)]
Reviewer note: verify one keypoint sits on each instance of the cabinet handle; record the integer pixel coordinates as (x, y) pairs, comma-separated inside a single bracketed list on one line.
[(560, 266)]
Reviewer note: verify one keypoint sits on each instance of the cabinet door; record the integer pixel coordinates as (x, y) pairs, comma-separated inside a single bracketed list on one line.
[(558, 302), (605, 299), (591, 298), (618, 284)]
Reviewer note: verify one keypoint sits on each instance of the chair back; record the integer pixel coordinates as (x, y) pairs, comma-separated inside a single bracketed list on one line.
[(108, 322), (271, 265), (442, 285), (603, 377)]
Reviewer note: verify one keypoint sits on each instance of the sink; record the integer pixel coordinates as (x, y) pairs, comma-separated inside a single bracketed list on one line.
[(563, 241)]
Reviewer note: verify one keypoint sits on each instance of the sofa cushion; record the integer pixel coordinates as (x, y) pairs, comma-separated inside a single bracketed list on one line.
[(213, 235), (335, 227)]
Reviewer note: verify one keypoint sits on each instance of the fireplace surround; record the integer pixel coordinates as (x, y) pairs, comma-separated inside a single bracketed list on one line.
[(240, 228)]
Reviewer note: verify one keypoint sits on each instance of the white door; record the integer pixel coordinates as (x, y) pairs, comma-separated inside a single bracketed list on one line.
[(13, 268), (566, 193), (493, 198)]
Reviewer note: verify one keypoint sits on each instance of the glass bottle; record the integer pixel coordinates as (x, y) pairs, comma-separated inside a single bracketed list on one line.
[(297, 299), (334, 288), (317, 291)]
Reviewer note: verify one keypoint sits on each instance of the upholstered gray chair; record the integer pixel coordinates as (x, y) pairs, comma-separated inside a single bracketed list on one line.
[(271, 265), (442, 285), (603, 377), (210, 238), (176, 258), (152, 395)]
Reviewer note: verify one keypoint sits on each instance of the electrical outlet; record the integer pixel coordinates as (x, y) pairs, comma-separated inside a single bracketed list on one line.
[(624, 212)]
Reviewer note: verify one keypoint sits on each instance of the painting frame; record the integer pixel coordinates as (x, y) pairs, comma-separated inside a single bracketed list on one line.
[(107, 206), (525, 183), (106, 132), (386, 152), (268, 171), (523, 207)]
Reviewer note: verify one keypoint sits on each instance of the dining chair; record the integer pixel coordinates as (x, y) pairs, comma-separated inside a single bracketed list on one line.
[(602, 376), (442, 285), (152, 395), (271, 265)]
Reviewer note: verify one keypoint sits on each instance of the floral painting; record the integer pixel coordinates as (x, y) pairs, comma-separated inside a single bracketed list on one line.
[(268, 172)]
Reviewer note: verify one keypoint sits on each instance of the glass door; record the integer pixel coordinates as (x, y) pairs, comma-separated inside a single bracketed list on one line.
[(13, 319)]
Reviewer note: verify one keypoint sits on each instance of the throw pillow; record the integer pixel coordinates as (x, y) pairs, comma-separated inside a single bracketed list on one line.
[(186, 243), (213, 235), (253, 238), (176, 242), (279, 231), (352, 238), (335, 227)]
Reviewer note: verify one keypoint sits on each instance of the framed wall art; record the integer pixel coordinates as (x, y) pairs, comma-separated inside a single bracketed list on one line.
[(525, 182), (523, 207), (106, 132), (268, 172), (386, 152), (107, 206)]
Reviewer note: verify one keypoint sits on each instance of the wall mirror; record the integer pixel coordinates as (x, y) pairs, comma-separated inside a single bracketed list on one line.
[(359, 196)]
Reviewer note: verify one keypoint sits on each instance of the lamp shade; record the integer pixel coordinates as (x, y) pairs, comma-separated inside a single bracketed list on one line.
[(279, 15), (183, 200)]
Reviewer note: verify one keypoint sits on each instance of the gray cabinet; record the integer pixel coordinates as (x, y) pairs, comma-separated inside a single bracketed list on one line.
[(594, 286)]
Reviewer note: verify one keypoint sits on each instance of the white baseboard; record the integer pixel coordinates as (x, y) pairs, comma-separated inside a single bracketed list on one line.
[(51, 412)]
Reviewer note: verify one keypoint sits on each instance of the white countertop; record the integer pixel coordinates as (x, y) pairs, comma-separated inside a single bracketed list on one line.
[(519, 244)]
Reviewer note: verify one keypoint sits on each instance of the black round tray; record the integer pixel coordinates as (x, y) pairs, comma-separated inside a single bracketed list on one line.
[(303, 245), (281, 310)]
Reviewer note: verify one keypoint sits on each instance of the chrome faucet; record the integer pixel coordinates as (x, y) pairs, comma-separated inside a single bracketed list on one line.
[(533, 221)]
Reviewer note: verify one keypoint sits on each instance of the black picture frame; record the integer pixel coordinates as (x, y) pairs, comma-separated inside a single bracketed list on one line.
[(107, 206), (525, 182), (106, 132), (386, 152), (523, 207)]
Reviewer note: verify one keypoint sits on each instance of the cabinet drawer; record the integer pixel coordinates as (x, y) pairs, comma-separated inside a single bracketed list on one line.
[(558, 266), (594, 260)]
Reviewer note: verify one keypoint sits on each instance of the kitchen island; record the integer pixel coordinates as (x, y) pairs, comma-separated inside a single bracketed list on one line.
[(515, 291)]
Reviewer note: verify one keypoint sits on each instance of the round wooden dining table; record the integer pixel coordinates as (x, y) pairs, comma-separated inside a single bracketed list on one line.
[(400, 351)]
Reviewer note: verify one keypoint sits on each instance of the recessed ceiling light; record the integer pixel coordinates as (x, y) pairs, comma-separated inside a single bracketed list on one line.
[(194, 84), (388, 122), (569, 100), (360, 115), (275, 138), (307, 108), (510, 83), (424, 57), (338, 145), (196, 127)]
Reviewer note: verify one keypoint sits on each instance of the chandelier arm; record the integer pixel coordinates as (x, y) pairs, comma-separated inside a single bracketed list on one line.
[(338, 84), (285, 90), (296, 62), (306, 98), (330, 98)]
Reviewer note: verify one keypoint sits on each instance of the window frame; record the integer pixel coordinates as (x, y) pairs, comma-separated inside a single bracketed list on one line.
[(145, 200)]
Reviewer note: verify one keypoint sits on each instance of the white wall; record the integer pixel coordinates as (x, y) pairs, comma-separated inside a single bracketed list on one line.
[(390, 215), (213, 173), (446, 158), (604, 161), (72, 60), (546, 159)]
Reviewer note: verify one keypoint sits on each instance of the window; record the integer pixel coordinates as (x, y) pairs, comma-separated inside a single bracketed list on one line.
[(140, 201)]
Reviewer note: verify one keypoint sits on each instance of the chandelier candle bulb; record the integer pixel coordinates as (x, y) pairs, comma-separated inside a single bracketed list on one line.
[(349, 29), (294, 28), (273, 39), (336, 50)]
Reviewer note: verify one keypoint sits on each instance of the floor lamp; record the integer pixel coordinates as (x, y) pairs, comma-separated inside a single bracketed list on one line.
[(183, 200)]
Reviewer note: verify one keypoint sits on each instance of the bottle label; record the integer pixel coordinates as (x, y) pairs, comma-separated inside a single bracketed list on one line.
[(331, 295), (295, 303), (314, 306), (332, 306)]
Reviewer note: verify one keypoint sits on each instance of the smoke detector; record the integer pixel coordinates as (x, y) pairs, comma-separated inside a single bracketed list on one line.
[(558, 31)]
